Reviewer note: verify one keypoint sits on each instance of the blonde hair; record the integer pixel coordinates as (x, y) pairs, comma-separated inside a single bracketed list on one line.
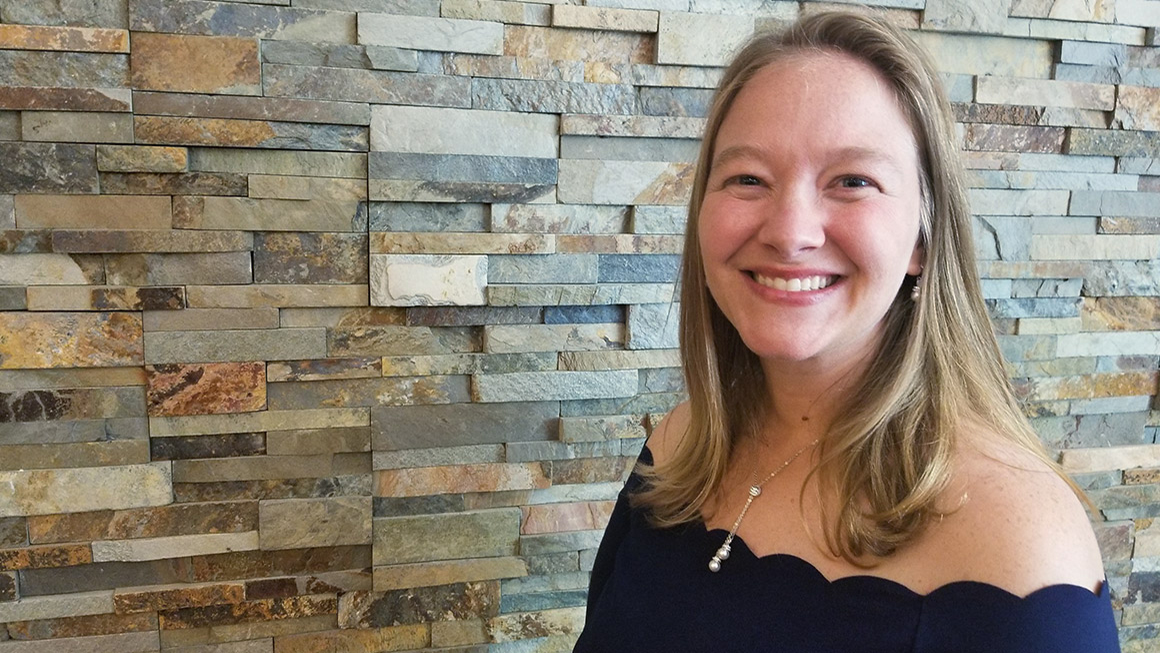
[(887, 456)]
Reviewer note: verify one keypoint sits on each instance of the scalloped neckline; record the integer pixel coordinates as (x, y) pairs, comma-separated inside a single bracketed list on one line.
[(740, 545)]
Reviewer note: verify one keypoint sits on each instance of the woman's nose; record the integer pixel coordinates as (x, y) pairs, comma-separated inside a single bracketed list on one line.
[(793, 222)]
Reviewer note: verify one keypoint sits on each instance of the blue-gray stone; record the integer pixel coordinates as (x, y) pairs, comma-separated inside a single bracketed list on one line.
[(686, 102), (542, 268), (434, 216), (662, 379), (48, 168), (422, 427), (583, 314), (1046, 287), (1122, 279), (407, 506), (355, 85), (461, 167), (638, 268), (1033, 307), (644, 403), (542, 601), (231, 19), (63, 69), (338, 55), (1100, 430)]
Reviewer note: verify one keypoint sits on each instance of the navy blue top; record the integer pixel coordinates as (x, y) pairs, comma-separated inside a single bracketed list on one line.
[(652, 591)]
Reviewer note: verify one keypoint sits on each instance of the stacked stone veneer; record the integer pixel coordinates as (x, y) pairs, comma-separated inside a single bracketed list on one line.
[(334, 325)]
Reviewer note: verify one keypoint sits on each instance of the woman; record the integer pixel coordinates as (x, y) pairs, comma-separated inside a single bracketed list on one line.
[(851, 471)]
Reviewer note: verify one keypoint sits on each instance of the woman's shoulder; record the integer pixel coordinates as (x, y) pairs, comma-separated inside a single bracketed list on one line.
[(1014, 522), (665, 438)]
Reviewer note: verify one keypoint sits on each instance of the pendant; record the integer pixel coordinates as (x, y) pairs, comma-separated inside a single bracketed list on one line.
[(715, 561)]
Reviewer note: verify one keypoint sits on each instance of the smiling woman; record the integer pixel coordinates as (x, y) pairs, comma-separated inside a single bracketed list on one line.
[(851, 471)]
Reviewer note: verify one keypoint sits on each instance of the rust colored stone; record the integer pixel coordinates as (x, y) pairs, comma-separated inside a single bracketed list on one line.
[(450, 479), (1088, 386), (291, 562), (198, 64), (1143, 225), (202, 131), (138, 299), (177, 597), (205, 388), (22, 98), (1012, 138), (1120, 313), (420, 604), (40, 557), (293, 607), (46, 340), (560, 517), (143, 241), (271, 588), (399, 638), (70, 39), (185, 183), (590, 470), (1002, 114), (229, 445), (162, 521), (99, 624), (1141, 476), (555, 44)]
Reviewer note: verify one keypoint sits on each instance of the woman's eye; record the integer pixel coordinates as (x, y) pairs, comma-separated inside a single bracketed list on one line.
[(855, 182), (746, 180)]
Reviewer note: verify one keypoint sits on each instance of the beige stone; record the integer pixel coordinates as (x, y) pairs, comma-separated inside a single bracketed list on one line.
[(270, 420), (578, 45), (42, 340), (294, 187), (130, 642), (444, 573), (305, 523), (1044, 92), (449, 536), (74, 127), (427, 280), (410, 637), (141, 158), (174, 546), (71, 378), (604, 18), (987, 55), (436, 130), (265, 214), (458, 633), (66, 39), (55, 606), (700, 39), (1138, 108), (93, 212), (1051, 247), (460, 243), (44, 492), (485, 477), (427, 33), (619, 360), (544, 623), (510, 338), (1081, 461), (624, 182), (40, 270), (276, 296), (1079, 10), (500, 11)]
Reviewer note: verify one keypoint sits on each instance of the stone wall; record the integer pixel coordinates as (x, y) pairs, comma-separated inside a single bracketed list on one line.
[(334, 325)]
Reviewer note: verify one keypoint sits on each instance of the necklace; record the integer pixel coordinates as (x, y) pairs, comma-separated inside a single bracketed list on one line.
[(754, 492)]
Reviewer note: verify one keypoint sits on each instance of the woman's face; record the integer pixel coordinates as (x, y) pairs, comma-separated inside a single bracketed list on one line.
[(810, 218)]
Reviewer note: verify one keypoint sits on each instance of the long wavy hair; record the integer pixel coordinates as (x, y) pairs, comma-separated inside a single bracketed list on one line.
[(886, 459)]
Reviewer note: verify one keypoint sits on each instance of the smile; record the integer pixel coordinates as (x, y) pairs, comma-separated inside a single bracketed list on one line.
[(803, 284)]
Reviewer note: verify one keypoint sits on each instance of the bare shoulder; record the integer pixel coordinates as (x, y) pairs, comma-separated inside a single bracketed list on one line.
[(667, 435), (1020, 526)]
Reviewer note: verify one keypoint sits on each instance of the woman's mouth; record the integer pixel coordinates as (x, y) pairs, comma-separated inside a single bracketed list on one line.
[(795, 284)]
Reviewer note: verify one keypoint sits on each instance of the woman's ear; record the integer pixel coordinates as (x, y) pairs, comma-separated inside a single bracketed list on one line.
[(917, 260)]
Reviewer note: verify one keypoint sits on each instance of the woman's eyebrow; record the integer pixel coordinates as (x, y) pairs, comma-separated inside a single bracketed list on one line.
[(866, 154), (737, 152)]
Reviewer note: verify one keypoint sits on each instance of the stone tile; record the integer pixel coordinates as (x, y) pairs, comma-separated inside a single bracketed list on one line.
[(233, 346), (454, 243), (207, 446), (63, 69), (393, 190), (303, 523), (40, 557), (103, 576), (1014, 138), (157, 548), (326, 369), (462, 131), (604, 18), (376, 86), (425, 280), (549, 218), (94, 241), (331, 55), (516, 627), (1120, 314), (1118, 203), (47, 340), (462, 168), (409, 216), (400, 391), (445, 573), (1063, 9), (653, 326), (624, 182), (314, 258), (103, 211), (974, 54), (393, 638), (1067, 247), (334, 215), (306, 442), (552, 337), (273, 162), (251, 108), (508, 67), (558, 268), (139, 158), (48, 168), (594, 429), (1113, 143), (629, 148), (630, 126), (700, 39), (413, 427), (144, 522), (523, 386), (176, 597), (65, 99), (535, 96), (142, 642), (13, 531), (482, 477), (438, 457), (223, 132), (471, 316), (980, 17), (559, 44), (30, 608), (1007, 90), (500, 11), (77, 127), (197, 64), (206, 388), (563, 517), (270, 420), (229, 19), (103, 624), (612, 360), (560, 542), (425, 33), (583, 314), (292, 607), (458, 633), (578, 294), (69, 39), (191, 183), (73, 454), (253, 468), (474, 534)]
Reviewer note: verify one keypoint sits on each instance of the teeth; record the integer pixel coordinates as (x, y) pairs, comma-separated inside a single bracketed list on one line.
[(795, 285)]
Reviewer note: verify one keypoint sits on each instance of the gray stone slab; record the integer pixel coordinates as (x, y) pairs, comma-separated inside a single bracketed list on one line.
[(435, 130), (412, 7), (63, 69), (476, 534), (210, 268), (305, 164), (558, 542), (1002, 238), (32, 608), (682, 102), (584, 314), (13, 298), (452, 167), (1123, 279), (407, 190), (235, 345), (522, 386), (1045, 287), (1115, 203), (558, 218), (90, 13), (48, 168), (64, 431), (391, 391), (653, 326), (377, 86), (979, 16), (648, 403), (579, 294), (638, 268), (305, 523), (628, 149), (428, 216), (229, 19), (427, 33), (251, 108), (103, 576), (420, 427), (335, 55), (1034, 307), (552, 97), (542, 268), (659, 219), (1093, 54), (440, 456)]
